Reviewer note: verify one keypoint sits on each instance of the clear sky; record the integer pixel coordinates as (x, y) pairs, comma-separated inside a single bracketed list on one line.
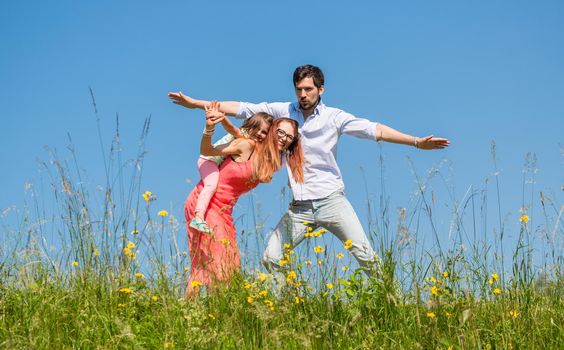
[(472, 71)]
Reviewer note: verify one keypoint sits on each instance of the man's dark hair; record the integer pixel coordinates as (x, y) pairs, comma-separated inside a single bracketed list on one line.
[(309, 71)]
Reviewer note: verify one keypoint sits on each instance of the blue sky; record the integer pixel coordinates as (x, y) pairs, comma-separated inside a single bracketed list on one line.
[(472, 71)]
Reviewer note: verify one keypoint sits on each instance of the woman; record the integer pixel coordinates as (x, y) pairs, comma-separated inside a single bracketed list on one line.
[(214, 257)]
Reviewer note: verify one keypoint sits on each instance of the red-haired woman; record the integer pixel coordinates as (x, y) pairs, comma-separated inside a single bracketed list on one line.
[(214, 257)]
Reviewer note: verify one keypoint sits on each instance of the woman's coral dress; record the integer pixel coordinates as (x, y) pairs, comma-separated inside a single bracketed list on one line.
[(214, 257)]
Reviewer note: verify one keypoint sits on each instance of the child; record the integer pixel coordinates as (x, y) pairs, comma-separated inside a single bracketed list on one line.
[(256, 128)]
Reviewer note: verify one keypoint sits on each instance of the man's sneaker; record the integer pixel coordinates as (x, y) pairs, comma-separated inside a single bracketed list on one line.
[(200, 225)]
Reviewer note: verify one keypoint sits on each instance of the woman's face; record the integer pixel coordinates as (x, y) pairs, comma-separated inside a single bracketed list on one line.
[(286, 134)]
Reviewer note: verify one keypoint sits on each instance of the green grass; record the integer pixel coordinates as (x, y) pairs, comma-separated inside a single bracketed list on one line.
[(104, 287)]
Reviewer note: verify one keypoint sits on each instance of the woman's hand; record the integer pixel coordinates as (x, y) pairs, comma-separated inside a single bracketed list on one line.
[(213, 115)]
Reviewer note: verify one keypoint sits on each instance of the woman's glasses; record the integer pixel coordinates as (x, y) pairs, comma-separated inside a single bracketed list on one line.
[(281, 134)]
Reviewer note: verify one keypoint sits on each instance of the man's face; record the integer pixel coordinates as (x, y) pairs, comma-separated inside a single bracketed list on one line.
[(307, 93)]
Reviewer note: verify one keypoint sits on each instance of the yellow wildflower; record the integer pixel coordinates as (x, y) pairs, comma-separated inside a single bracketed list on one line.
[(348, 244), (130, 245), (134, 232), (250, 300), (74, 263), (445, 274), (225, 241), (287, 245), (148, 196), (318, 249), (283, 262), (495, 276), (513, 313), (270, 303), (319, 262), (524, 218), (316, 234), (154, 298), (431, 314), (434, 290), (322, 231), (139, 275), (306, 223), (497, 291), (120, 305), (263, 293), (247, 286), (195, 284), (309, 229), (297, 299), (291, 276), (340, 256), (490, 280), (262, 276), (329, 285), (96, 252), (162, 213), (433, 279), (212, 316), (125, 290), (127, 251)]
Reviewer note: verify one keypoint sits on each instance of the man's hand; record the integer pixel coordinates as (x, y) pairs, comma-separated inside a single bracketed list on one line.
[(180, 99), (430, 142)]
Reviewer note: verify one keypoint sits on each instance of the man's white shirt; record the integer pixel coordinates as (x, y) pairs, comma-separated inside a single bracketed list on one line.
[(319, 134)]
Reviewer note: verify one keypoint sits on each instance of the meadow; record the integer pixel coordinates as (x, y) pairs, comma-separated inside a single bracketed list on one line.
[(115, 279)]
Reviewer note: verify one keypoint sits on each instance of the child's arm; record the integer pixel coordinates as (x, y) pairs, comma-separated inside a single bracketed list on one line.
[(231, 128)]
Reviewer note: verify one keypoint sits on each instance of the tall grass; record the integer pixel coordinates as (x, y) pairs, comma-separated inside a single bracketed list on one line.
[(101, 269)]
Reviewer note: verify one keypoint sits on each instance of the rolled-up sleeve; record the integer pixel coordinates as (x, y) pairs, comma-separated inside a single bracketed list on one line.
[(277, 109), (362, 128)]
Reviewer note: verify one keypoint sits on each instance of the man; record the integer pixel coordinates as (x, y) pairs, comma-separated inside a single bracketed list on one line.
[(320, 200)]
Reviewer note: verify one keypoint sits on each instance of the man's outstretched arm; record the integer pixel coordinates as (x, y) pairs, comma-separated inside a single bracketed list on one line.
[(385, 133), (227, 107)]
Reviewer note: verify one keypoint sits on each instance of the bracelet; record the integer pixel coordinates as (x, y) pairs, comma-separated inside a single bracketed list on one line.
[(415, 142), (208, 132)]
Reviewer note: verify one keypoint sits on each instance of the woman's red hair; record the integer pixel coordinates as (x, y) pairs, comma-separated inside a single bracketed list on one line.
[(268, 159)]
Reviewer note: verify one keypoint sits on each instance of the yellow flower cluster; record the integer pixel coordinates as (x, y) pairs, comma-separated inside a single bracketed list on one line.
[(129, 253), (524, 218), (318, 249), (348, 244), (125, 290), (311, 234), (494, 277), (195, 284), (291, 276), (148, 196), (162, 213)]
